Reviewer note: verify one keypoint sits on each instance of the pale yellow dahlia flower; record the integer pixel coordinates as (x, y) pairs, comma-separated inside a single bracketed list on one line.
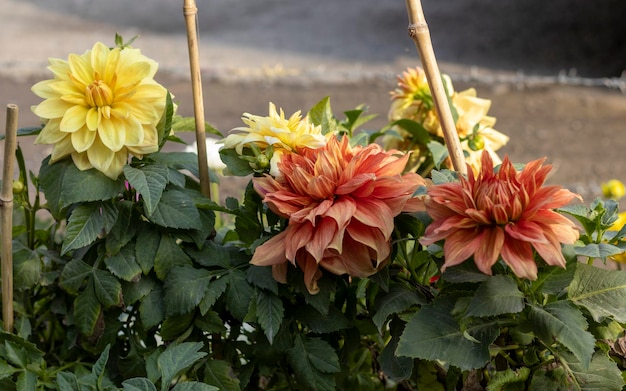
[(99, 107), (412, 100), (285, 135)]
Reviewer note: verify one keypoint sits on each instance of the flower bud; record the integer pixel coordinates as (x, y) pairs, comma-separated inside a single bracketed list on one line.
[(18, 187), (262, 161), (476, 142)]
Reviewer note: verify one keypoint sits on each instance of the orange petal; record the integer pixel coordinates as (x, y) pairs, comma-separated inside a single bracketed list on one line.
[(271, 252)]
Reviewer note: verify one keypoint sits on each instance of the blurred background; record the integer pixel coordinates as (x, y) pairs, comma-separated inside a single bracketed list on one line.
[(553, 69)]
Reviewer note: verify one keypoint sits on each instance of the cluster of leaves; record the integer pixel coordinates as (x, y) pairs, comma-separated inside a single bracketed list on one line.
[(129, 285)]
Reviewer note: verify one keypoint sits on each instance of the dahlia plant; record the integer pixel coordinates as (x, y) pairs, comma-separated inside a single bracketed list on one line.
[(344, 265)]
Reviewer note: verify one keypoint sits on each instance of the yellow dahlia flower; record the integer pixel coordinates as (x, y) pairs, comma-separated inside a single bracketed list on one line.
[(283, 134), (99, 107), (412, 100), (613, 189), (619, 223)]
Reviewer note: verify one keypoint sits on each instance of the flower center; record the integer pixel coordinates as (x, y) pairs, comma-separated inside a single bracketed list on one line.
[(99, 94)]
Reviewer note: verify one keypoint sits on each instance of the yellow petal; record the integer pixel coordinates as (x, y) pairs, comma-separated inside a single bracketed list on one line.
[(112, 133), (81, 70), (82, 139), (92, 119), (73, 119), (50, 134), (81, 161), (52, 108), (62, 149)]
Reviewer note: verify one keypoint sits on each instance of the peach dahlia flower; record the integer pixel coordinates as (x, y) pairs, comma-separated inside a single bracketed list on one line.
[(500, 214), (99, 107), (340, 202)]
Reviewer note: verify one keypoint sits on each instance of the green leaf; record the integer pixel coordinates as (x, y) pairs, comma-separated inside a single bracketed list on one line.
[(270, 312), (6, 370), (236, 165), (176, 210), (99, 366), (177, 358), (443, 176), (602, 292), (51, 181), (497, 295), (151, 310), (136, 290), (169, 255), (185, 287), (26, 267), (219, 374), (321, 114), (194, 386), (598, 250), (20, 351), (178, 160), (314, 360), (26, 381), (123, 230), (67, 382), (397, 368), (86, 223), (214, 291), (561, 321), (86, 186), (238, 294), (149, 181), (602, 374), (87, 310), (419, 134), (164, 127), (175, 327), (261, 277), (107, 288), (398, 300), (74, 274), (138, 384), (439, 152), (333, 320), (146, 253), (501, 380), (433, 334), (123, 265)]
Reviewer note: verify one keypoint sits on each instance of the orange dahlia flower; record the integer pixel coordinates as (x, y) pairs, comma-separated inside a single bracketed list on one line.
[(500, 214), (340, 202)]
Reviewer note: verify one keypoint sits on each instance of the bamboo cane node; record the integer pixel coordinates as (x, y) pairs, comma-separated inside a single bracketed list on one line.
[(189, 10), (6, 203)]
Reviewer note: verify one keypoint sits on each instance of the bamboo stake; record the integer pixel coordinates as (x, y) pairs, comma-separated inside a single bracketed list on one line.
[(190, 11), (6, 217), (418, 30)]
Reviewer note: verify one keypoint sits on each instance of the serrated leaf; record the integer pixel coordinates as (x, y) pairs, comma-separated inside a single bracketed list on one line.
[(177, 358), (439, 152), (100, 365), (137, 290), (185, 287), (6, 370), (419, 134), (194, 386), (561, 321), (74, 274), (213, 292), (261, 277), (178, 160), (86, 186), (149, 181), (146, 253), (26, 268), (465, 272), (598, 250), (238, 294), (270, 313), (602, 292), (67, 382), (399, 299), (497, 295), (321, 114), (87, 310), (151, 310), (313, 361), (107, 288), (124, 229), (169, 255), (602, 373), (176, 210), (333, 320), (235, 165), (397, 368), (51, 181), (138, 384), (123, 265), (219, 374), (86, 223), (433, 334), (502, 380), (26, 381)]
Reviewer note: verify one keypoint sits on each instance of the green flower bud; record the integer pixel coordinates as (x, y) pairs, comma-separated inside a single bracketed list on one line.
[(476, 142), (18, 187)]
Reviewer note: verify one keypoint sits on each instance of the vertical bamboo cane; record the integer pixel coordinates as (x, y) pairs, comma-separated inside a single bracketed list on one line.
[(6, 217), (190, 11), (418, 30)]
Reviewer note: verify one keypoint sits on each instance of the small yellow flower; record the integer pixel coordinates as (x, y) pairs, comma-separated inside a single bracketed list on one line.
[(99, 107), (619, 223), (283, 134), (613, 189)]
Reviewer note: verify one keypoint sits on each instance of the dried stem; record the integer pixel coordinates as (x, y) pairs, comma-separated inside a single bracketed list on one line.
[(6, 217), (190, 11), (418, 30)]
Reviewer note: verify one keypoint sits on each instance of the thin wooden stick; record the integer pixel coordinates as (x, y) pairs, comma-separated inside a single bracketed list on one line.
[(6, 217), (190, 10), (418, 30)]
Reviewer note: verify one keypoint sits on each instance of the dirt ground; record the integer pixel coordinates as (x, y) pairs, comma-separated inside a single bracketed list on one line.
[(581, 130)]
